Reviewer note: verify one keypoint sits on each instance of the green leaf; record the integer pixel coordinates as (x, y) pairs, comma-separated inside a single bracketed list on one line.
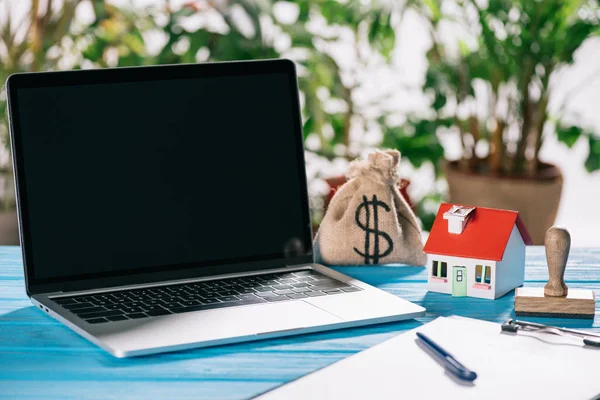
[(382, 35), (340, 14), (568, 134), (95, 50), (337, 122), (434, 10), (300, 36), (592, 163), (439, 101), (135, 42), (307, 129), (185, 11), (374, 29), (198, 39)]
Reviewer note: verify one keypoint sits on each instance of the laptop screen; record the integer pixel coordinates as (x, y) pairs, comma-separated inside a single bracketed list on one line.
[(133, 176)]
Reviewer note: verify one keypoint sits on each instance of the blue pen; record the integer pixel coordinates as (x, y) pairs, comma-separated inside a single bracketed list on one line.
[(450, 363)]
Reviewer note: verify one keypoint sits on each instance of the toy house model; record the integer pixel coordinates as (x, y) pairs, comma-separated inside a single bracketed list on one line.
[(476, 251)]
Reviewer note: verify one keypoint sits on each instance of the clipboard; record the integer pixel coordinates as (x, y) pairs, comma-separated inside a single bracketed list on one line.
[(530, 365)]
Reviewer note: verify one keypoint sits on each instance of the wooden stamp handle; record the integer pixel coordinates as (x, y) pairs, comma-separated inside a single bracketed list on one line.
[(558, 244)]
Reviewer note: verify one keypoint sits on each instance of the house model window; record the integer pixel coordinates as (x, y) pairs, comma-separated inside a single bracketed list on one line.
[(483, 274), (440, 269)]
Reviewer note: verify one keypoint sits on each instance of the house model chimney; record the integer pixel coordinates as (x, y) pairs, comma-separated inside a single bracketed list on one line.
[(458, 217)]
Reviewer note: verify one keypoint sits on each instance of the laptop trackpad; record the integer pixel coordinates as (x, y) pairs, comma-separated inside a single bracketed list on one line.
[(294, 315), (212, 325)]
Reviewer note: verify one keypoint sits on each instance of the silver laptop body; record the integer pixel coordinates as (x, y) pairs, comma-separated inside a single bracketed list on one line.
[(66, 259)]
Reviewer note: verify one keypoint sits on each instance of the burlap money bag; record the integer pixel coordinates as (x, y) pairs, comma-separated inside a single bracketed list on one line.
[(368, 221)]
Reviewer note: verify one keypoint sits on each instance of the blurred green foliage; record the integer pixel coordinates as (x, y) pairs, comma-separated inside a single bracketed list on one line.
[(118, 37), (515, 48), (495, 87), (50, 38)]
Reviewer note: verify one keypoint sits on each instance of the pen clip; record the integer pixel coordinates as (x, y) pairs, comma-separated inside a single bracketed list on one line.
[(513, 326)]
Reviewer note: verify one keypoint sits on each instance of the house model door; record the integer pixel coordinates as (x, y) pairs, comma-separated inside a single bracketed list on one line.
[(459, 281)]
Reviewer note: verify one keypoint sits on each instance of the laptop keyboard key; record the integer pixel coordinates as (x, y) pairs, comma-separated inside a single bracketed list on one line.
[(129, 310), (156, 313), (321, 278), (228, 293), (100, 314), (84, 299), (88, 310), (281, 287), (153, 302), (136, 315), (75, 306), (351, 289), (152, 308), (297, 296), (305, 279), (228, 298), (216, 305), (130, 304), (264, 294), (300, 285), (324, 287), (117, 318), (113, 306), (96, 320), (191, 303), (247, 297), (276, 298), (301, 290), (315, 294), (286, 291)]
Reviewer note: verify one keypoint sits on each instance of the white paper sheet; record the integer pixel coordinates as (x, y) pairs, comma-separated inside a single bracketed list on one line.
[(523, 366)]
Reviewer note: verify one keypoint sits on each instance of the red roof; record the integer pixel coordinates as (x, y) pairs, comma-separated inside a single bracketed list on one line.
[(485, 236)]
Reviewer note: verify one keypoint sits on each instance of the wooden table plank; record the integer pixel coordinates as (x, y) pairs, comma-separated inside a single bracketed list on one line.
[(40, 358)]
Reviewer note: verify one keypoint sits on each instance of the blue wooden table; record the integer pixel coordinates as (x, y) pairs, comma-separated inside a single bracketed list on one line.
[(41, 359)]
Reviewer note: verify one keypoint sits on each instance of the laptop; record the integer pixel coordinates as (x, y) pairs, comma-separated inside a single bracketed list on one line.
[(165, 208)]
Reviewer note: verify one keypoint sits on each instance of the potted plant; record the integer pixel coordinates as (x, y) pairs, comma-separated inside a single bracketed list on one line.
[(493, 92)]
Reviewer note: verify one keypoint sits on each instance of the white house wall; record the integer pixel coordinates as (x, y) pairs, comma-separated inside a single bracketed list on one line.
[(469, 263), (511, 270)]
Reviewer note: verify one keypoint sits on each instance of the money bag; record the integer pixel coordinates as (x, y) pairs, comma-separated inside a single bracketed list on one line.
[(368, 221)]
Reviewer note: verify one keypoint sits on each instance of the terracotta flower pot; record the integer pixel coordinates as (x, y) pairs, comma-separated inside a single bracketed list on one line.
[(535, 198)]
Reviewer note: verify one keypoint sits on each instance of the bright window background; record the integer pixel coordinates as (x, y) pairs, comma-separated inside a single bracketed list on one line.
[(581, 191)]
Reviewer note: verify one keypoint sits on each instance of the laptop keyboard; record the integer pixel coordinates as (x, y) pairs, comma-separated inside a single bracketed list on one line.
[(198, 296)]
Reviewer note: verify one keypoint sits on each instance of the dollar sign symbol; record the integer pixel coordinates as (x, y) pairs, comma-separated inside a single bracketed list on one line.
[(376, 255)]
